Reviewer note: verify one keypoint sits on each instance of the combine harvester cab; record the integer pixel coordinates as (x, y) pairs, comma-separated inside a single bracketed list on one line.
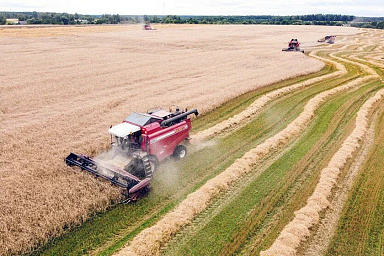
[(138, 144), (293, 46)]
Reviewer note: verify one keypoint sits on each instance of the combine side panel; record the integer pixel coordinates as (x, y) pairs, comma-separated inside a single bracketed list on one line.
[(163, 142)]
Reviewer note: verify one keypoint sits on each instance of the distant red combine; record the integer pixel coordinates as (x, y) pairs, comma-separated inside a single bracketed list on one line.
[(139, 143), (293, 45), (147, 26), (328, 39)]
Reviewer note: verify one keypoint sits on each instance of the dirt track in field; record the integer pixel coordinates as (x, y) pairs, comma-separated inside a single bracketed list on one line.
[(61, 88)]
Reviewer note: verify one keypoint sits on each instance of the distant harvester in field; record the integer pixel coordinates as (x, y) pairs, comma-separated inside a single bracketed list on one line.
[(328, 39), (147, 26), (293, 46)]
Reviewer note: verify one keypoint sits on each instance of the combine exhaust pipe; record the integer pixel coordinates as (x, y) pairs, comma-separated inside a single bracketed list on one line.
[(175, 118)]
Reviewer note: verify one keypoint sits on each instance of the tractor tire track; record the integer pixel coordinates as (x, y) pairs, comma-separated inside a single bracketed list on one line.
[(225, 198)]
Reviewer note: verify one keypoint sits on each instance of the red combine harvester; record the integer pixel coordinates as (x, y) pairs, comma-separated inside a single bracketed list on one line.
[(138, 145), (293, 46), (328, 39), (147, 26)]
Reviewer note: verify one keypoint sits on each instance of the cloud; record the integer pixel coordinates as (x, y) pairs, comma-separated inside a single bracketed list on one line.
[(19, 5)]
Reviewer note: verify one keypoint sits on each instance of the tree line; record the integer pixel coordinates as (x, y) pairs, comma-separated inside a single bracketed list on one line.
[(371, 24), (310, 19), (66, 18)]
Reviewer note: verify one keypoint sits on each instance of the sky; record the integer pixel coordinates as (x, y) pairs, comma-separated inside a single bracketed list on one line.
[(370, 8)]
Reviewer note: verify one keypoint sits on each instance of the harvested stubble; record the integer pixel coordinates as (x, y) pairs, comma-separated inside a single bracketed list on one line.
[(354, 57), (258, 104), (299, 228), (289, 240), (328, 224), (367, 69), (149, 241), (62, 93)]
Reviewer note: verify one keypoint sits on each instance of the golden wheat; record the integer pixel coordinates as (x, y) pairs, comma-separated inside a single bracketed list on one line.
[(258, 104), (62, 87)]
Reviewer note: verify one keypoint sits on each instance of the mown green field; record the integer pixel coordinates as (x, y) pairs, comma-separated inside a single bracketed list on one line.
[(360, 230)]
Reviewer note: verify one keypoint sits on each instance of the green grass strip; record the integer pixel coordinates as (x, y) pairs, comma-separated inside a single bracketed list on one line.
[(361, 226), (219, 232)]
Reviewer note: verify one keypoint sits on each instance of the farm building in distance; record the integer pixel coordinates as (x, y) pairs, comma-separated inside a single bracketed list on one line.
[(12, 21)]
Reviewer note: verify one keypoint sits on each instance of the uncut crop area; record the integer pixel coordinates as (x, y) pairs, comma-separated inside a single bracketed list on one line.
[(62, 87)]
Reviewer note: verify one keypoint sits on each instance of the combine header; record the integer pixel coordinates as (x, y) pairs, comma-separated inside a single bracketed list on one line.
[(293, 46), (138, 145)]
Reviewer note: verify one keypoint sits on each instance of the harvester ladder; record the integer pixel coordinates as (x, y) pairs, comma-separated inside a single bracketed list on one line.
[(147, 167)]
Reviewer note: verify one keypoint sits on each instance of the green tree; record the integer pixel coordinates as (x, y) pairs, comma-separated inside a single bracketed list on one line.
[(380, 25), (155, 19), (2, 19), (65, 18), (21, 17)]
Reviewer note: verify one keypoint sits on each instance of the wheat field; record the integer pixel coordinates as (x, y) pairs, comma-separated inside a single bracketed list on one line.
[(62, 87)]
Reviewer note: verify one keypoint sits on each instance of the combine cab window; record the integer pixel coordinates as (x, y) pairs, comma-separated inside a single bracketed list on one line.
[(129, 142), (121, 142), (141, 119)]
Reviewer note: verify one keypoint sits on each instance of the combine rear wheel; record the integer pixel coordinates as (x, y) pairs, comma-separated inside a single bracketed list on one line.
[(180, 152)]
